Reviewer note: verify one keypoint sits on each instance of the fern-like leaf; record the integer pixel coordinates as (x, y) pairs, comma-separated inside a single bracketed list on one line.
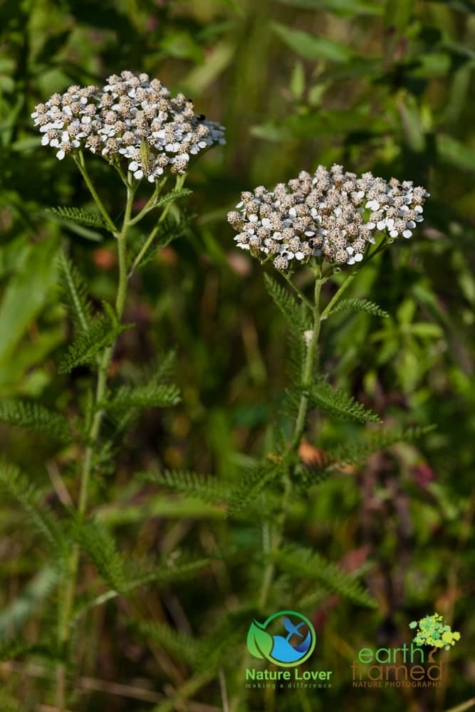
[(76, 292), (172, 196), (18, 486), (189, 483), (164, 366), (254, 482), (32, 416), (358, 453), (296, 357), (359, 305), (182, 646), (150, 396), (353, 454), (79, 216), (170, 230), (97, 542), (304, 564), (88, 344), (142, 573), (295, 313), (333, 401)]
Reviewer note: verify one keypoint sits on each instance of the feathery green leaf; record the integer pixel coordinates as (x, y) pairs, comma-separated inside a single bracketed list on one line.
[(170, 230), (306, 565), (182, 646), (142, 573), (254, 482), (88, 344), (296, 355), (189, 483), (295, 313), (31, 415), (76, 292), (164, 367), (356, 453), (333, 401), (96, 541), (172, 196), (359, 305), (79, 216), (18, 486), (149, 396)]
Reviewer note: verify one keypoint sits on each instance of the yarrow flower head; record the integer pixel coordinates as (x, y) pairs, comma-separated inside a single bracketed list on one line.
[(332, 216), (131, 117)]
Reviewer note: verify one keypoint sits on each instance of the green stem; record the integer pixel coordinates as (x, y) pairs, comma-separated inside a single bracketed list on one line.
[(64, 624), (179, 184), (81, 164), (150, 204), (300, 294), (278, 533), (309, 364), (336, 297)]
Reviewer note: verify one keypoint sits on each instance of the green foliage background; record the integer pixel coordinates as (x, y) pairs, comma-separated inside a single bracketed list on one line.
[(374, 85)]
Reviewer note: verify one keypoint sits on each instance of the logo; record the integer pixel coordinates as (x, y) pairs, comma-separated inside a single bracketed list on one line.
[(407, 665), (432, 631), (294, 647)]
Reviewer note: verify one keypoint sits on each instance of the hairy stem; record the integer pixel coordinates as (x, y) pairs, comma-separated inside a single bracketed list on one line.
[(64, 624)]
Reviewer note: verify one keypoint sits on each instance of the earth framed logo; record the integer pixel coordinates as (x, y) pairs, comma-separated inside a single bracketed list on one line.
[(289, 650)]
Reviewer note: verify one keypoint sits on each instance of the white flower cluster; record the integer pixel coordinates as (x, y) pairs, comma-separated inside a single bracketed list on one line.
[(332, 215), (130, 117)]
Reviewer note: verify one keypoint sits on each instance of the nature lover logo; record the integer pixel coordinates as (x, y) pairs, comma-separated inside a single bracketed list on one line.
[(288, 650)]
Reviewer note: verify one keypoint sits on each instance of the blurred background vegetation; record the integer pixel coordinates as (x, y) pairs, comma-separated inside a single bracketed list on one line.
[(386, 86)]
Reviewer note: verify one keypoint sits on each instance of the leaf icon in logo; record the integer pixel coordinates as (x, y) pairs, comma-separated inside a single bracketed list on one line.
[(259, 643)]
